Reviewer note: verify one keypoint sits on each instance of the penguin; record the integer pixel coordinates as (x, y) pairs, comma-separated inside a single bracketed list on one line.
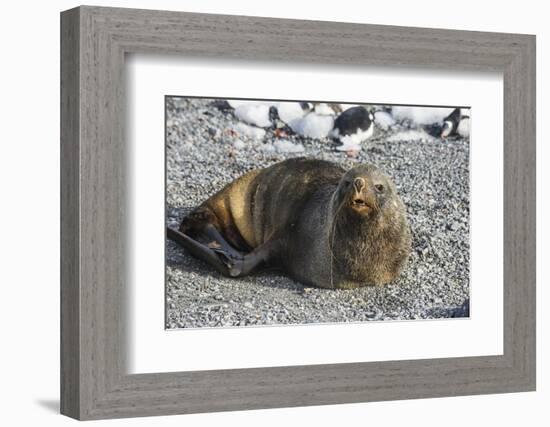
[(306, 106), (354, 125), (451, 123), (222, 105)]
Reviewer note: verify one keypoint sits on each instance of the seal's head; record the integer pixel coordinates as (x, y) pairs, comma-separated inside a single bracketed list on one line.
[(365, 190)]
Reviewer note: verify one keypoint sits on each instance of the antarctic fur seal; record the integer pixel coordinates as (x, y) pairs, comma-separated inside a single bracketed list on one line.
[(320, 224)]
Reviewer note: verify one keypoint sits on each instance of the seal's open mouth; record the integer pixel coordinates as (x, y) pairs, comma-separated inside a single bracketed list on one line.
[(360, 204)]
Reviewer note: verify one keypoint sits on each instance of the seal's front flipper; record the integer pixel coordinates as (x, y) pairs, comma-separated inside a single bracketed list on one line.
[(200, 250)]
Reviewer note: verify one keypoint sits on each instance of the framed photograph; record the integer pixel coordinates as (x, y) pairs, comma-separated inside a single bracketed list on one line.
[(303, 189), (262, 213)]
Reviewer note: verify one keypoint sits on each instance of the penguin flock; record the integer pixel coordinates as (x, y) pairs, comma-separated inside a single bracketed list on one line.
[(348, 125)]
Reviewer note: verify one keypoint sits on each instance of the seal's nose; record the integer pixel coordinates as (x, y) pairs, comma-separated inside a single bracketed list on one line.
[(359, 184)]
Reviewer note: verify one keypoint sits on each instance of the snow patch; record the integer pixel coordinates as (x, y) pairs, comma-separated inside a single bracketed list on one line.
[(411, 135), (421, 115), (269, 148), (285, 146), (464, 128), (249, 131), (254, 114), (235, 103), (313, 125), (290, 111), (384, 120)]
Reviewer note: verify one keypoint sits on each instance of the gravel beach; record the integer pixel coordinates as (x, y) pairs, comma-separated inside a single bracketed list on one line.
[(205, 150)]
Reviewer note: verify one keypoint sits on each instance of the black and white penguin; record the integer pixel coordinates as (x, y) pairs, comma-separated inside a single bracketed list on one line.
[(353, 126), (452, 124)]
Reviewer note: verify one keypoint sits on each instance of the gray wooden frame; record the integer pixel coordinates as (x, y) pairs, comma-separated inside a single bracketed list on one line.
[(94, 41)]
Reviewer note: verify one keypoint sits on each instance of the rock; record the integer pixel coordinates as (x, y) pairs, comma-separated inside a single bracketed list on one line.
[(454, 226), (213, 132)]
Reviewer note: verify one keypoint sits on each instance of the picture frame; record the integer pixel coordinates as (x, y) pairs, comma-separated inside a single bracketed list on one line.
[(94, 268)]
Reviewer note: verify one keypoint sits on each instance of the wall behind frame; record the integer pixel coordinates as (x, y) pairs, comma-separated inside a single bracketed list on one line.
[(29, 218)]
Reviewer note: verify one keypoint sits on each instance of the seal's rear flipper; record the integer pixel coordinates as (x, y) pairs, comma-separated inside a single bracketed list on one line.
[(200, 250), (219, 244), (249, 263)]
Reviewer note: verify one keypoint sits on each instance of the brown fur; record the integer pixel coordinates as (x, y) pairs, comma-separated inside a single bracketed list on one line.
[(318, 223)]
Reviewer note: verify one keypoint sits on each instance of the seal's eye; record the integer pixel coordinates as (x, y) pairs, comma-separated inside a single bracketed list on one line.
[(347, 183), (379, 188)]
